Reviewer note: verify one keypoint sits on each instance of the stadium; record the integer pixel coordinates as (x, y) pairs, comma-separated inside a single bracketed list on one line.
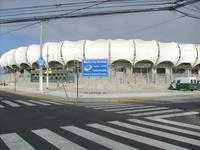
[(132, 63)]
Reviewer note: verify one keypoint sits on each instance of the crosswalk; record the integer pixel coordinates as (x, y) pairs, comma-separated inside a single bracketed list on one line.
[(128, 134), (30, 103), (138, 110)]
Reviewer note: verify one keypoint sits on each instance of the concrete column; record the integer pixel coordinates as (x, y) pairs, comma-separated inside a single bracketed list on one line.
[(168, 73), (154, 75), (188, 72), (199, 74)]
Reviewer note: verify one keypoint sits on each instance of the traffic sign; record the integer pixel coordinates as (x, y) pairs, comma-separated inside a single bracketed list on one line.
[(41, 61), (95, 68)]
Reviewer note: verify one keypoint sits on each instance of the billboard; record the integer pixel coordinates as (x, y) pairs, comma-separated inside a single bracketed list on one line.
[(95, 68)]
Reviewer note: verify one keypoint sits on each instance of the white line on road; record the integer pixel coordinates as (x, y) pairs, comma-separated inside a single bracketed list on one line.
[(38, 102), (15, 142), (177, 123), (138, 138), (103, 105), (12, 104), (25, 103), (156, 112), (158, 133), (129, 108), (57, 140), (174, 115), (141, 110), (1, 106), (118, 106), (98, 139), (51, 102), (165, 127)]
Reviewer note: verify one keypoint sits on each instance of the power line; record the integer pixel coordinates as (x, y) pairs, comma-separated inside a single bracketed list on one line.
[(72, 14), (151, 26), (23, 27)]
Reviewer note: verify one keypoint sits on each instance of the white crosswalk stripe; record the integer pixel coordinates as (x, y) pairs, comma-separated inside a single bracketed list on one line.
[(57, 140), (25, 103), (176, 123), (165, 127), (15, 142), (178, 135), (142, 110), (129, 108), (156, 112), (12, 104), (138, 138), (116, 106), (103, 105), (1, 106), (98, 139), (51, 102), (39, 102), (158, 133), (174, 115)]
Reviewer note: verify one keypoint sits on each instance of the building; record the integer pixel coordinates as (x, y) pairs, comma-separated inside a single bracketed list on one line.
[(131, 61)]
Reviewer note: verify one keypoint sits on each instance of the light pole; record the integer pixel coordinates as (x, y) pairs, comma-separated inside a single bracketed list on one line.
[(40, 66), (47, 76)]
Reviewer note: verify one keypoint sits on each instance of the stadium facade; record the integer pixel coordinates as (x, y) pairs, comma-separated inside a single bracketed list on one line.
[(130, 60)]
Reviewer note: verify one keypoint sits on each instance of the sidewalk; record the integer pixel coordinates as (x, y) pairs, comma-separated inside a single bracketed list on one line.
[(60, 94)]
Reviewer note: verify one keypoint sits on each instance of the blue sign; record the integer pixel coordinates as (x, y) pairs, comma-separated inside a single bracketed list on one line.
[(95, 68), (41, 61)]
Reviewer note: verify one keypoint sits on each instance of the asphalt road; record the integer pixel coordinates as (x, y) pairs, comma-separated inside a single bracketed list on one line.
[(28, 124)]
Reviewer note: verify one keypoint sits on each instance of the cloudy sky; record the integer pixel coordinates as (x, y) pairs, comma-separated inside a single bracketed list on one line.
[(148, 26)]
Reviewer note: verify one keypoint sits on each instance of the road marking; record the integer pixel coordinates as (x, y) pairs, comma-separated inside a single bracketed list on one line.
[(177, 123), (15, 142), (57, 140), (102, 105), (12, 104), (25, 103), (173, 115), (138, 138), (165, 127), (97, 138), (141, 110), (1, 106), (156, 112), (116, 106), (51, 102), (158, 133), (38, 102), (129, 108)]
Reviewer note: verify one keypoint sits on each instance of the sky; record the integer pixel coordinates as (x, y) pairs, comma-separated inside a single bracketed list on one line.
[(146, 26)]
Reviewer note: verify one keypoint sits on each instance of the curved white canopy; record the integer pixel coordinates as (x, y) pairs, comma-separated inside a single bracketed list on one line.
[(198, 58), (3, 60), (146, 50), (122, 50), (188, 54), (169, 52), (53, 50), (10, 58), (20, 56), (33, 54), (96, 49), (72, 50)]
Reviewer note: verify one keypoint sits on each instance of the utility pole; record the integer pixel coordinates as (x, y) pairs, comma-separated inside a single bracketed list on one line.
[(77, 84), (40, 66), (47, 76)]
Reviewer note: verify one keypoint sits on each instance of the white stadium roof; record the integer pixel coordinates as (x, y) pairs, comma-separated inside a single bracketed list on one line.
[(133, 51)]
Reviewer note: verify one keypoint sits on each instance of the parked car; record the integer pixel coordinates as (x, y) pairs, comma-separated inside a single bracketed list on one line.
[(184, 83)]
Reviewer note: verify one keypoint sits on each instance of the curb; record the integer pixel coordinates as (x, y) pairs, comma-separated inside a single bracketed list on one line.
[(74, 101)]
